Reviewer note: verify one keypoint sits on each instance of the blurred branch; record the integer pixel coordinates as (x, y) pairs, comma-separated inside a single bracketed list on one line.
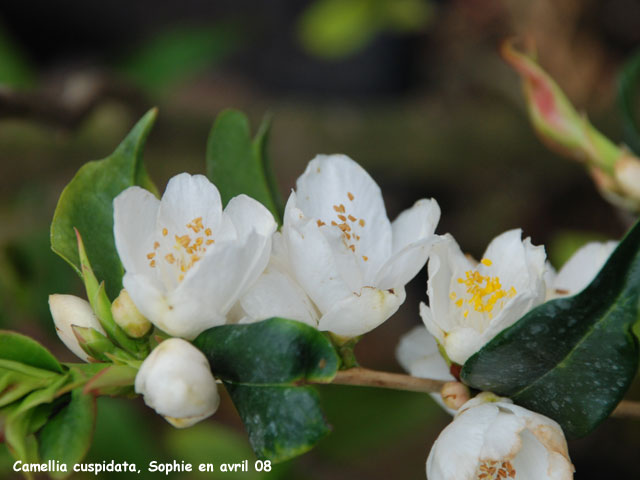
[(363, 377), (67, 104)]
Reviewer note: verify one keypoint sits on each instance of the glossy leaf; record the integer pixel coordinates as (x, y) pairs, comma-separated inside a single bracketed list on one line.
[(67, 435), (282, 422), (86, 204), (276, 351), (18, 379), (236, 164), (260, 364), (20, 348), (628, 84), (571, 359)]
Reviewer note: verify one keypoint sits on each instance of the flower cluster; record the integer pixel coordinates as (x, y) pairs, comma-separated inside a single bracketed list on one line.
[(338, 264)]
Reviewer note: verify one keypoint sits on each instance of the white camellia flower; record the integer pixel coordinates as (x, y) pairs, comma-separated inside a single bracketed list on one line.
[(176, 381), (470, 303), (579, 270), (490, 438), (68, 310), (339, 249), (417, 352), (187, 262)]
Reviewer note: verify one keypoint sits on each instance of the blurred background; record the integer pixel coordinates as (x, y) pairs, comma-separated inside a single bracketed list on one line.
[(414, 90)]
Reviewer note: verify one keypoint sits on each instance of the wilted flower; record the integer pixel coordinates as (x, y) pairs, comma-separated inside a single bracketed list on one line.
[(339, 248), (68, 310), (469, 302), (491, 438), (187, 262), (176, 381), (579, 270)]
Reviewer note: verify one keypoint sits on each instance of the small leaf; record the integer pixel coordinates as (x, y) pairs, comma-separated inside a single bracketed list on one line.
[(282, 422), (571, 359), (67, 436), (236, 164), (86, 204), (260, 363), (276, 351), (628, 82), (18, 379), (20, 348)]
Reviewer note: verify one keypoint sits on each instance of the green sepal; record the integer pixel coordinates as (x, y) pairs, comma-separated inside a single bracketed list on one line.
[(86, 204), (571, 359), (238, 165), (101, 306), (95, 344), (282, 422)]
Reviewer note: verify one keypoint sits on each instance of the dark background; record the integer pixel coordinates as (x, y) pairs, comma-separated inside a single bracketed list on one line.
[(415, 91)]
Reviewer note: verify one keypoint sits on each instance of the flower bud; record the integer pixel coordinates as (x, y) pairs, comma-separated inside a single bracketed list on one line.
[(176, 381), (128, 317), (614, 170), (68, 310), (454, 394)]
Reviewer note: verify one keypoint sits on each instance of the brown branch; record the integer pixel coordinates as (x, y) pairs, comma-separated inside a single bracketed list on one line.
[(363, 377)]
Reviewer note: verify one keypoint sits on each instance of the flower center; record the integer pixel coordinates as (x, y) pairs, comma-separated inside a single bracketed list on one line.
[(186, 250), (349, 224), (483, 292), (492, 470)]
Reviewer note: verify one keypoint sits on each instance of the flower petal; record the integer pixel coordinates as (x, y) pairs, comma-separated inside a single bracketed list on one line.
[(456, 452), (582, 267), (178, 315), (362, 312), (134, 218), (333, 186), (417, 352), (277, 294), (312, 260), (188, 197)]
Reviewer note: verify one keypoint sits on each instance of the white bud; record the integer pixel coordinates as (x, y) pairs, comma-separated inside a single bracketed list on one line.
[(176, 381), (128, 317), (68, 310)]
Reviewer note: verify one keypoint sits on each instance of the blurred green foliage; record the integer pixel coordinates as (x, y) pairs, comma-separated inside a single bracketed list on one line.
[(178, 54), (333, 29), (15, 70)]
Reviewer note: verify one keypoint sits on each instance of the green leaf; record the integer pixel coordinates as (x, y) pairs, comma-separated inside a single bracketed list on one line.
[(571, 359), (628, 81), (113, 380), (66, 438), (86, 204), (236, 164), (276, 351), (260, 363), (20, 348), (18, 379), (282, 422)]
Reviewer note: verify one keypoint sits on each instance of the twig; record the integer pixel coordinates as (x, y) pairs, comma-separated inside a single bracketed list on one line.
[(363, 377)]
